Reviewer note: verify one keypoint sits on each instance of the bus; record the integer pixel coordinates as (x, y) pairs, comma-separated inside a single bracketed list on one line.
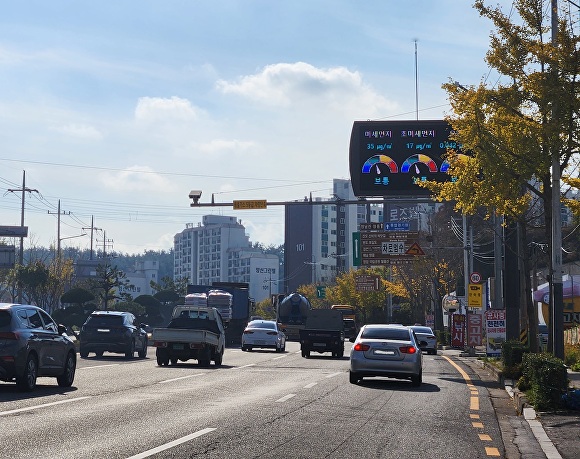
[(348, 311)]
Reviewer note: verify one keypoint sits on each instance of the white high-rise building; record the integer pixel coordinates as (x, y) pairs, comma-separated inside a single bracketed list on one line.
[(219, 250)]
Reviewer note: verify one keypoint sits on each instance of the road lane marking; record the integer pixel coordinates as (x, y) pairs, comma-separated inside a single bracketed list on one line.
[(281, 357), (181, 377), (474, 406), (98, 366), (244, 366), (171, 444), (311, 385), (332, 375), (491, 451), (286, 397), (44, 405)]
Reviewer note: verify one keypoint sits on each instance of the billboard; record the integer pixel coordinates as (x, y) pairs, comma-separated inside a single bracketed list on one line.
[(388, 158)]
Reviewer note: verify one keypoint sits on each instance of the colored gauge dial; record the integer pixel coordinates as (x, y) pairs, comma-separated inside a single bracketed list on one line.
[(379, 159), (416, 159)]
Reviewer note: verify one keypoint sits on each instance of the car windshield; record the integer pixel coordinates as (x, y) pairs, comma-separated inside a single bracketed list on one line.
[(105, 321), (386, 333), (4, 320), (269, 325), (426, 330)]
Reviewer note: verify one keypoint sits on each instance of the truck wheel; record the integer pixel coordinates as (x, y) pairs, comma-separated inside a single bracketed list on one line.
[(174, 361), (205, 357), (218, 358)]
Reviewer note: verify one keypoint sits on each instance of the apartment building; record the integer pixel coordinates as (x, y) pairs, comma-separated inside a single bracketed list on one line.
[(218, 250)]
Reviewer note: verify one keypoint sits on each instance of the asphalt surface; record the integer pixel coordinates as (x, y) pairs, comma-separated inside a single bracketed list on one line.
[(527, 434)]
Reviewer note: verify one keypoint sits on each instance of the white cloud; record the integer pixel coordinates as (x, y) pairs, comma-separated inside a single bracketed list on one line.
[(161, 109), (226, 146), (302, 84), (80, 131), (136, 178)]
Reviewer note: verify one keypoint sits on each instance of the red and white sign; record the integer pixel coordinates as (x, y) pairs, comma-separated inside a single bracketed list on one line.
[(475, 277), (475, 330), (458, 331)]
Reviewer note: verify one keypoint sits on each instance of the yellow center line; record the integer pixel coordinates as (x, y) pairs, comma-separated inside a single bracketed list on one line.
[(474, 406)]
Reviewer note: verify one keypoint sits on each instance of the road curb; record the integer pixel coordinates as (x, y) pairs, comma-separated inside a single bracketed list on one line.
[(523, 408)]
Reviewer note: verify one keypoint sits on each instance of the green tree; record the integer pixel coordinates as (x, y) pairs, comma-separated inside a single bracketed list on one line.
[(515, 127), (108, 285), (77, 295), (178, 286)]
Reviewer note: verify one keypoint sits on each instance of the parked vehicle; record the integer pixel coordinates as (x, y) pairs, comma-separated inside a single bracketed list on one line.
[(323, 332), (33, 345), (113, 331), (291, 314), (193, 333), (427, 339), (263, 334), (390, 351)]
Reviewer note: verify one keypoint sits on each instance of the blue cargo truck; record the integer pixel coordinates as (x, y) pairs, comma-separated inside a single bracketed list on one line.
[(241, 306)]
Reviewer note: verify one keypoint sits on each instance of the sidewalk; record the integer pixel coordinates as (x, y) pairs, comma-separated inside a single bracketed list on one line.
[(556, 433)]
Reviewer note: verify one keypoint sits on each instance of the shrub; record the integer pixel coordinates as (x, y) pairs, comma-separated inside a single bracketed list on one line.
[(545, 379), (512, 353), (571, 354)]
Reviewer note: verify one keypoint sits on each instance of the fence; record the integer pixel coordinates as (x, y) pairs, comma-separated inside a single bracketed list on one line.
[(572, 335)]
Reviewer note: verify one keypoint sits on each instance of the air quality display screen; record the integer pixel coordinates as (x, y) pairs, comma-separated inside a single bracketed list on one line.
[(388, 158)]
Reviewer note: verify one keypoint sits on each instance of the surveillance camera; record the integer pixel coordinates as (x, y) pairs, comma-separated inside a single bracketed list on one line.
[(195, 195)]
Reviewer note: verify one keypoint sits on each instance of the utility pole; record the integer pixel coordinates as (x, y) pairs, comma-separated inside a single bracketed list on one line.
[(58, 211), (92, 228), (21, 253), (557, 319)]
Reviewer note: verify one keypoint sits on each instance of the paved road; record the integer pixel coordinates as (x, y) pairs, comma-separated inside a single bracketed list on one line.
[(258, 404)]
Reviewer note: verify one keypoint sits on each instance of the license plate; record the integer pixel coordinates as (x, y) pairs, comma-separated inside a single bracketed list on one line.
[(382, 352), (260, 341), (319, 344), (178, 347)]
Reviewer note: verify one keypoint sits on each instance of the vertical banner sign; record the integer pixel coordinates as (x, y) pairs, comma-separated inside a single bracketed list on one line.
[(475, 324), (458, 330), (495, 325), (474, 296)]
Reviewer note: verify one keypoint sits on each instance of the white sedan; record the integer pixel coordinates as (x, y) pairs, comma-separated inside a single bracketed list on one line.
[(263, 334)]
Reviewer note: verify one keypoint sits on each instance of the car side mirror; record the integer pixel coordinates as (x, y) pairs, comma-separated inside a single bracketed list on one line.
[(351, 339), (61, 329)]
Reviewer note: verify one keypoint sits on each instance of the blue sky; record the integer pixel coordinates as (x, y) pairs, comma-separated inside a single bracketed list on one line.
[(119, 109)]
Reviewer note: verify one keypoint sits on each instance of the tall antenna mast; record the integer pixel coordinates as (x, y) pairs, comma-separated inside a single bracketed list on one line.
[(416, 84)]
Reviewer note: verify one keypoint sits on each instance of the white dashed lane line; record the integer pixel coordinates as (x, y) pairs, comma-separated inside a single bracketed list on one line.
[(173, 443), (45, 405)]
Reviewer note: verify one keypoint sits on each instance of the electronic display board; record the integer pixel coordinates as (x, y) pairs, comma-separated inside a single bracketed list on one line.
[(388, 158)]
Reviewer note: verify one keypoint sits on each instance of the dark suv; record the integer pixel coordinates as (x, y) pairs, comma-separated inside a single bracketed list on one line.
[(112, 331), (33, 345)]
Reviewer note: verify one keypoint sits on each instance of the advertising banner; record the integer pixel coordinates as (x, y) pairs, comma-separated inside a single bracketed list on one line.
[(458, 330), (475, 330), (495, 330)]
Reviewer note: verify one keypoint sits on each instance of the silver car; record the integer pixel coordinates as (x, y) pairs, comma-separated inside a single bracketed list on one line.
[(390, 351), (427, 339)]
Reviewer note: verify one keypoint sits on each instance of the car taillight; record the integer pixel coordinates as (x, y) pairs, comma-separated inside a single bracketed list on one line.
[(408, 349), (271, 333), (8, 335), (160, 343), (361, 347), (248, 332)]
